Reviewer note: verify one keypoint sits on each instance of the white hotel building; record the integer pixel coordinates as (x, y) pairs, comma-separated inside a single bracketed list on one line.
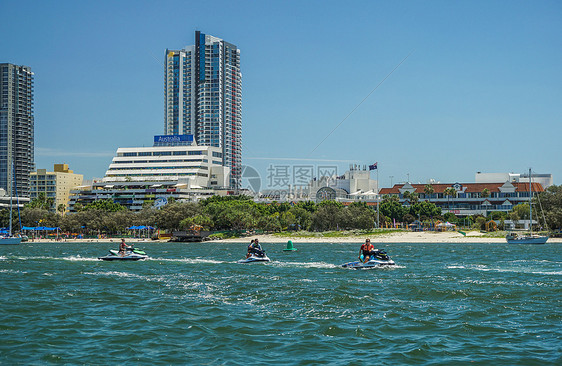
[(173, 168)]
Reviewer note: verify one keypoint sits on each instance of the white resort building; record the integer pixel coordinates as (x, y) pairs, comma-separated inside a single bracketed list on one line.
[(352, 186), (544, 179), (175, 167)]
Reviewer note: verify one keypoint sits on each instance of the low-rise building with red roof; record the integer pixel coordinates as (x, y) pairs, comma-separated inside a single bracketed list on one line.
[(470, 198)]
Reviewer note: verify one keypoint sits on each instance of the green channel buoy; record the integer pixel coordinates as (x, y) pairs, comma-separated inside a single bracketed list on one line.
[(289, 247)]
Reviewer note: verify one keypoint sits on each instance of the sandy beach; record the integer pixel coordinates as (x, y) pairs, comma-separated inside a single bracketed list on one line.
[(398, 237)]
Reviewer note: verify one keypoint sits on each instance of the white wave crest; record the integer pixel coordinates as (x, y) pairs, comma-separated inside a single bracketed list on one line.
[(117, 274), (507, 270), (78, 258), (11, 271), (305, 264), (188, 260)]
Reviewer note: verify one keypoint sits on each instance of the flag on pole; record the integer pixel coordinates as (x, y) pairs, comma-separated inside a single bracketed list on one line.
[(373, 167)]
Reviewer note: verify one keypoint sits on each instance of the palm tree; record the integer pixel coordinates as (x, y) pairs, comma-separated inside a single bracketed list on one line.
[(411, 196), (414, 197), (450, 192), (429, 190), (406, 195), (40, 201), (49, 202), (61, 208), (485, 193)]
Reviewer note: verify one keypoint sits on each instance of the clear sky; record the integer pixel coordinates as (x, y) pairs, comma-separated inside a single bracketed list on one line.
[(480, 91)]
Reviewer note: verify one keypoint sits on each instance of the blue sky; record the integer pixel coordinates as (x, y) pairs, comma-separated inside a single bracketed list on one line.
[(480, 91)]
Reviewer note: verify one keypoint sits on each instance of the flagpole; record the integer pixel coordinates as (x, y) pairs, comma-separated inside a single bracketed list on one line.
[(378, 199)]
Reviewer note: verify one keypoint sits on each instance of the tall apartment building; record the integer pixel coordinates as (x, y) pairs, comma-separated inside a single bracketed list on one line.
[(56, 185), (16, 128), (203, 97)]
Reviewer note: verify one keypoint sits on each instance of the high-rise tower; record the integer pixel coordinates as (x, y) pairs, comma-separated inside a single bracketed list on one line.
[(16, 128), (203, 97)]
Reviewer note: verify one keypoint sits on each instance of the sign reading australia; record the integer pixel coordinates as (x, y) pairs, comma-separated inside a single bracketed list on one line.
[(173, 139)]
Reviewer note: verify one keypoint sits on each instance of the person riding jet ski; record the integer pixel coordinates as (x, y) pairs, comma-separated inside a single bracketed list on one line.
[(366, 250), (255, 249), (123, 248), (125, 252), (369, 252)]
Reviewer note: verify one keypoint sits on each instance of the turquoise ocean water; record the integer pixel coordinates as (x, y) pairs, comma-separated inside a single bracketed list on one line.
[(443, 304)]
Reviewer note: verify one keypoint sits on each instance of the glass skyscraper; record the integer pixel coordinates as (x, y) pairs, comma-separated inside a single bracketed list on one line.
[(203, 97), (16, 128)]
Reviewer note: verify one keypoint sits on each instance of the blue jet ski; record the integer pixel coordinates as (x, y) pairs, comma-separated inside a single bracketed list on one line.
[(129, 255), (378, 258)]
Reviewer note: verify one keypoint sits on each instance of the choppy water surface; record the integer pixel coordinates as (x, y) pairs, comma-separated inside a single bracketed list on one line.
[(192, 304)]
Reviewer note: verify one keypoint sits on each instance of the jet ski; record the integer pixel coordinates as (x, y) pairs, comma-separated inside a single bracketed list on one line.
[(378, 258), (130, 255), (256, 256)]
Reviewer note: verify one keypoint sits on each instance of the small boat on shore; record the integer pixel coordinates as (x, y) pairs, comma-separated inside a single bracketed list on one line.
[(10, 240), (513, 238), (528, 238)]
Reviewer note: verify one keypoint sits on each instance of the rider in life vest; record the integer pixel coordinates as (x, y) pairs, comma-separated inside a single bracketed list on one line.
[(367, 250)]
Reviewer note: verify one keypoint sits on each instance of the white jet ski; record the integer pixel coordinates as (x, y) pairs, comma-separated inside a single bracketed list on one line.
[(379, 258), (130, 255), (255, 258)]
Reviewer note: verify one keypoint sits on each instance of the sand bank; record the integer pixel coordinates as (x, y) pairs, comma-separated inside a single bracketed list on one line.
[(398, 237)]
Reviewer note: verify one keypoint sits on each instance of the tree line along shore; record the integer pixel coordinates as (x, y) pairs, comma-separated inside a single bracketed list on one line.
[(233, 216)]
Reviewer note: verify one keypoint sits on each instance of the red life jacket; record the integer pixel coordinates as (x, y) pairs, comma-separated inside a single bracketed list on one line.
[(367, 247)]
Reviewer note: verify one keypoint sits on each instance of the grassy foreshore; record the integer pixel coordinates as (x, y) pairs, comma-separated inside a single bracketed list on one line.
[(382, 236)]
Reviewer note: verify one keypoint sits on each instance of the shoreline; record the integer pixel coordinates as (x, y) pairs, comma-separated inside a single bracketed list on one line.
[(452, 237)]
